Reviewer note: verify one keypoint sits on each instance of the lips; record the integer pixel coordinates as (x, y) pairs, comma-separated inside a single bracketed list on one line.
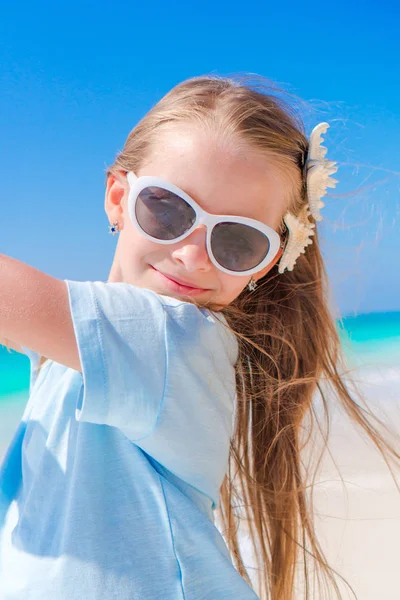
[(181, 281)]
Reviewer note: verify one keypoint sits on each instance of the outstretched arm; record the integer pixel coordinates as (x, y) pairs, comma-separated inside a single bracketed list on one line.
[(35, 312)]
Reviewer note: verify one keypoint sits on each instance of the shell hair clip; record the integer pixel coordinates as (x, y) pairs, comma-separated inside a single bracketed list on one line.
[(317, 176)]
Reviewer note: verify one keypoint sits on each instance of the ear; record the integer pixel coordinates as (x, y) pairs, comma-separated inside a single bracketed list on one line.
[(264, 271), (116, 192)]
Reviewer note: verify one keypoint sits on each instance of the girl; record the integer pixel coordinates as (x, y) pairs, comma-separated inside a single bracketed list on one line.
[(177, 389)]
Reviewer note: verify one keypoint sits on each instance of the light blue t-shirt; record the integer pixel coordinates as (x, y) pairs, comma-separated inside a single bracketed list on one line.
[(108, 488)]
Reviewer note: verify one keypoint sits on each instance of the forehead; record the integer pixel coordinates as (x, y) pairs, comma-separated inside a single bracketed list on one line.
[(222, 175)]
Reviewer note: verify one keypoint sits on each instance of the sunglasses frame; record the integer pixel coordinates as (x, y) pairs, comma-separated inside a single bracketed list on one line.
[(137, 184)]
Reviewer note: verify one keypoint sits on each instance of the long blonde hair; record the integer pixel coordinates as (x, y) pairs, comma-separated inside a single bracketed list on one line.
[(288, 344)]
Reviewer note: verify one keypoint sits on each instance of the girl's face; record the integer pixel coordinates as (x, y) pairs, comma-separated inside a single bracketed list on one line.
[(223, 179)]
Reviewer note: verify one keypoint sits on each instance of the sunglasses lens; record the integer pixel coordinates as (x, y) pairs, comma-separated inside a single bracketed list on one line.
[(238, 247), (162, 214)]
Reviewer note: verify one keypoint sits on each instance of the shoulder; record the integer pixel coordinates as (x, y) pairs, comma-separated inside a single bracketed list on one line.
[(212, 326), (203, 326)]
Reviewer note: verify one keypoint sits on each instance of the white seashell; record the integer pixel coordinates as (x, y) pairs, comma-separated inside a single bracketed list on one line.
[(315, 149), (300, 232), (318, 181), (318, 170), (317, 173)]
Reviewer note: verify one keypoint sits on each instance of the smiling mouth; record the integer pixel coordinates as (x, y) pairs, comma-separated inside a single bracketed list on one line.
[(179, 282)]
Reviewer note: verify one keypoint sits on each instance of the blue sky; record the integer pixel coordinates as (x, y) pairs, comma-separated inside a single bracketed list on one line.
[(76, 78)]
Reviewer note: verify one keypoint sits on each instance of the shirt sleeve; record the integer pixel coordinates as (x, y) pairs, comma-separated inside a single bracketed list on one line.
[(34, 358), (160, 370), (120, 331)]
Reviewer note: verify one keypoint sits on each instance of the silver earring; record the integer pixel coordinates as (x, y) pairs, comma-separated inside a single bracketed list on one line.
[(252, 285), (114, 228)]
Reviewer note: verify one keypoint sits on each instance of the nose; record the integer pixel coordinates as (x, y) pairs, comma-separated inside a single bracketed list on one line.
[(192, 253)]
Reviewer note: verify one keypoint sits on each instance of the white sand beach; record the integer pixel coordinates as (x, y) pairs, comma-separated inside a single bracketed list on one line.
[(358, 519)]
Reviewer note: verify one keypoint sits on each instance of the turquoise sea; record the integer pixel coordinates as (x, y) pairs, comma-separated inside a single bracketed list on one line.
[(370, 341)]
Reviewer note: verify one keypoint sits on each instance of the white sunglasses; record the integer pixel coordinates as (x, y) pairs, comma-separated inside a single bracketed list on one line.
[(165, 214)]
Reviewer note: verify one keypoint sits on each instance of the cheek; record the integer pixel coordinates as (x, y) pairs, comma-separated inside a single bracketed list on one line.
[(138, 247), (232, 286), (133, 244)]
